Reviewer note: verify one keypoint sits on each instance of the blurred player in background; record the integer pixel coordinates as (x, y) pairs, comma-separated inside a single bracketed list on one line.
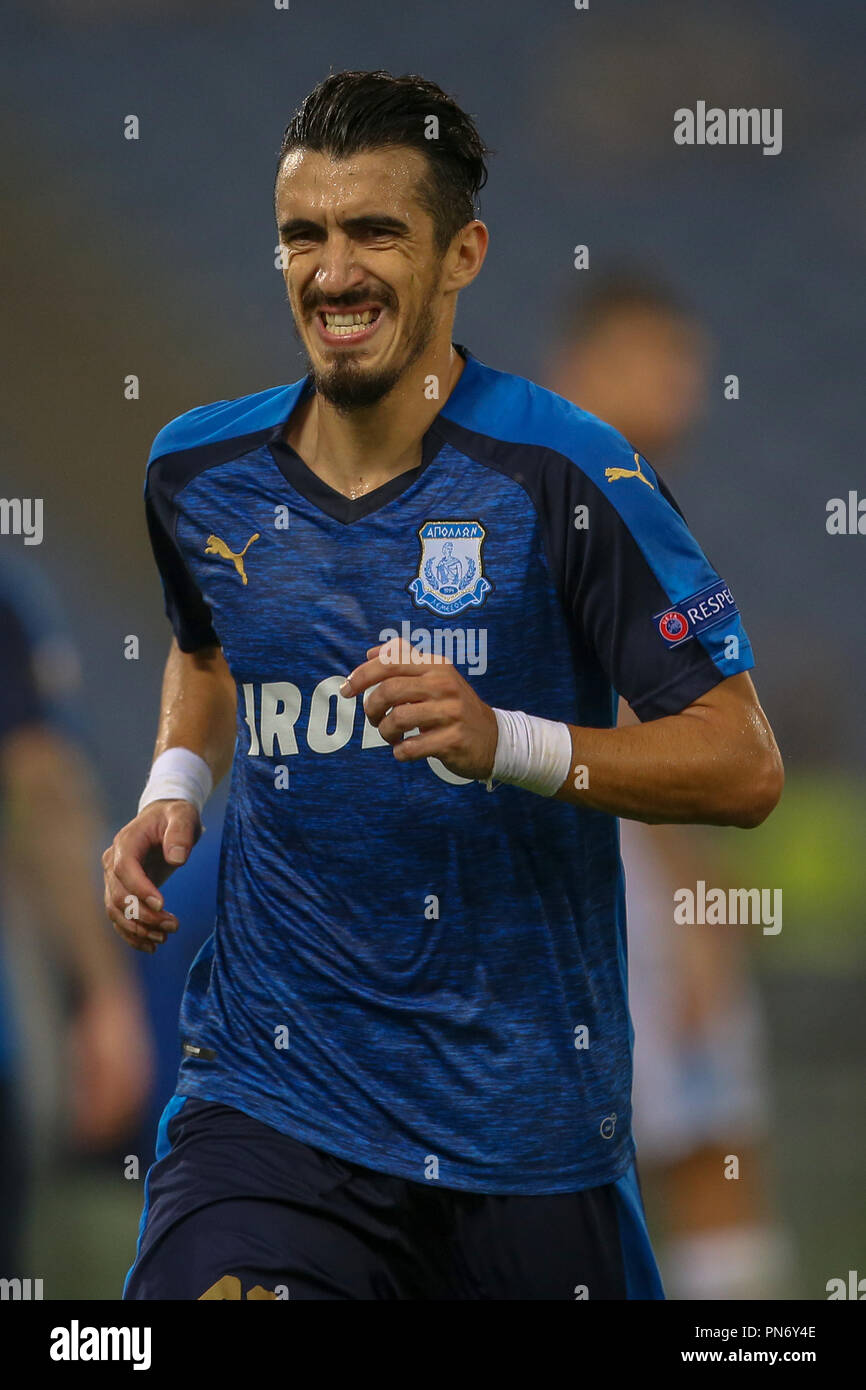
[(50, 831), (633, 355)]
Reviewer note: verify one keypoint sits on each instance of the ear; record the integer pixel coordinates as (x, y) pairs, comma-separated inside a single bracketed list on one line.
[(465, 256)]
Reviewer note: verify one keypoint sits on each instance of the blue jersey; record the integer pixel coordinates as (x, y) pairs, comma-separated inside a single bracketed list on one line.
[(408, 970)]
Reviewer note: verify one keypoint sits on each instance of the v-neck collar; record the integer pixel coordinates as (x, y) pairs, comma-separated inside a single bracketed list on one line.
[(326, 498)]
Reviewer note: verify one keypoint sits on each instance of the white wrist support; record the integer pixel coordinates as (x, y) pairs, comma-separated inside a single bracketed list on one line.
[(531, 752), (178, 775)]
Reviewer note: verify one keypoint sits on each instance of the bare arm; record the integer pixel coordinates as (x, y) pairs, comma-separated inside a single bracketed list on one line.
[(197, 712), (716, 762)]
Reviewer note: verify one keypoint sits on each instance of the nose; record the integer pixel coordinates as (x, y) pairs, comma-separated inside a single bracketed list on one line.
[(337, 270)]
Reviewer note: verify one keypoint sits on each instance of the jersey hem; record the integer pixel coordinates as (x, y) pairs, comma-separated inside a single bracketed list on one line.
[(355, 1151)]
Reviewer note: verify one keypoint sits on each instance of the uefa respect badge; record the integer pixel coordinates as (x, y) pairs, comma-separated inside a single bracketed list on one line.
[(696, 614)]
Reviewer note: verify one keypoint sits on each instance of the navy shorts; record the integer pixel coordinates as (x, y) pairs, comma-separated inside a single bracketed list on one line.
[(234, 1209)]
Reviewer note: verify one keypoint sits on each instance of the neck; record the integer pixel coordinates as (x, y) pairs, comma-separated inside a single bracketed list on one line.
[(363, 449)]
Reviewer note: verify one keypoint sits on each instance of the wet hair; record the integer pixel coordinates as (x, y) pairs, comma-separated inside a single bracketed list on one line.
[(353, 112)]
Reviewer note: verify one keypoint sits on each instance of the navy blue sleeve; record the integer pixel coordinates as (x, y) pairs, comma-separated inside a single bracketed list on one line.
[(646, 608), (643, 597), (187, 611), (648, 614)]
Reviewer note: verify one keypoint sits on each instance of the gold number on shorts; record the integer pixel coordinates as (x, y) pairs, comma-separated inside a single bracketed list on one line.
[(229, 1287)]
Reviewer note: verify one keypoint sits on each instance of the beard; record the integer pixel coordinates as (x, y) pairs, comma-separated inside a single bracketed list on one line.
[(348, 386)]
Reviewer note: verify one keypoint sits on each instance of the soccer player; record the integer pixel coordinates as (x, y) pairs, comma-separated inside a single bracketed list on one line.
[(407, 1052)]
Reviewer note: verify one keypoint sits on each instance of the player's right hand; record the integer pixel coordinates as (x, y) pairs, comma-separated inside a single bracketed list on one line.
[(140, 859)]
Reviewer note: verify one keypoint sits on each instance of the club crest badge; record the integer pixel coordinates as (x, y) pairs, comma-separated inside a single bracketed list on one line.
[(450, 572)]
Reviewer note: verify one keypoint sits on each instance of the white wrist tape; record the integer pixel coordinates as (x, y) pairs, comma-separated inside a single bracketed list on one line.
[(531, 752), (178, 775)]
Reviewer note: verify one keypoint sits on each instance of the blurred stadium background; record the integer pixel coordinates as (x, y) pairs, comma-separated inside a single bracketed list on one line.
[(155, 257)]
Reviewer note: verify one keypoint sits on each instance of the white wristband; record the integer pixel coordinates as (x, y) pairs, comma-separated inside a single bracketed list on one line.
[(531, 752), (178, 775)]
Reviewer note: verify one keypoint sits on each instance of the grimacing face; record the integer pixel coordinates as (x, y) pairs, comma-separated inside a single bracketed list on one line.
[(362, 271)]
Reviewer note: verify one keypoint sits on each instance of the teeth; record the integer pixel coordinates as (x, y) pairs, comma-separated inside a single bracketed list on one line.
[(347, 324)]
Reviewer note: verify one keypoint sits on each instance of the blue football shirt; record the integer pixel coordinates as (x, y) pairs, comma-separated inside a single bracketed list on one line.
[(407, 970)]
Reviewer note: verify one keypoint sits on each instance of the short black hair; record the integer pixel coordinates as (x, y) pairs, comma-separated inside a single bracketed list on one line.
[(352, 112)]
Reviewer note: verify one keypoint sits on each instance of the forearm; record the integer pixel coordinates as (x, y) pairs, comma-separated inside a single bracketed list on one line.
[(194, 748), (198, 707), (688, 767), (716, 761)]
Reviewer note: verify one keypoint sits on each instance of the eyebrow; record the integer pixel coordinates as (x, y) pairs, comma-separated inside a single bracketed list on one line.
[(295, 226)]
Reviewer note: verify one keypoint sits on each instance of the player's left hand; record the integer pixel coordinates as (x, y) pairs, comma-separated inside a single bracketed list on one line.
[(428, 693)]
